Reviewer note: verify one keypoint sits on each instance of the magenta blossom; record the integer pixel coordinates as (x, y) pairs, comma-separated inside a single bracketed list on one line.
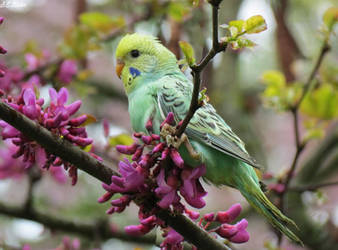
[(67, 71), (235, 233), (57, 117), (172, 240), (158, 175), (11, 77), (167, 190), (192, 190), (132, 178)]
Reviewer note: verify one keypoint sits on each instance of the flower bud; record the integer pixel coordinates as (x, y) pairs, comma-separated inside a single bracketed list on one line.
[(209, 217), (128, 150), (105, 197), (149, 125), (78, 120), (176, 157), (137, 154), (192, 214), (230, 214), (2, 50), (159, 147), (147, 139)]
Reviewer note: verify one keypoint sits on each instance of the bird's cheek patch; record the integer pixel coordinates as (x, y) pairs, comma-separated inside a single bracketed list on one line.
[(134, 72)]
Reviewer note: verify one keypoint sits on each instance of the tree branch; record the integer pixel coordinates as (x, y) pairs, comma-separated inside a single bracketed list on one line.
[(82, 160), (88, 230), (217, 47)]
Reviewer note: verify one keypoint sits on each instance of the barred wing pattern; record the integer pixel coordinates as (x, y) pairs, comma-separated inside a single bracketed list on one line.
[(206, 126)]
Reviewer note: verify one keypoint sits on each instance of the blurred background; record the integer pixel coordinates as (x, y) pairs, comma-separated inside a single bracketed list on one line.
[(39, 35)]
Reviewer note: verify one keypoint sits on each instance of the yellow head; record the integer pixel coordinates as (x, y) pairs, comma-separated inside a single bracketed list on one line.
[(142, 57)]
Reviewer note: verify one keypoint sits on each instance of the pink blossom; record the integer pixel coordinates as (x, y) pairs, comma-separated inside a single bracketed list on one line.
[(67, 71), (57, 118), (230, 214), (172, 240)]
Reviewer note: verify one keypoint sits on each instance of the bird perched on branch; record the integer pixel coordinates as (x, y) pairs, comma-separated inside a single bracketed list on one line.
[(156, 86)]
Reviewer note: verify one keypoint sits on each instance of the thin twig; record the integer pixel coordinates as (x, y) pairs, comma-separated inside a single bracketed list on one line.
[(313, 187), (299, 144), (325, 48), (34, 175), (84, 229), (217, 47), (82, 160)]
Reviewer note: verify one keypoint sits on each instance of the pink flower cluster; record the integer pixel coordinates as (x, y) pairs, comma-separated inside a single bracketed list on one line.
[(15, 167), (57, 117), (235, 233), (157, 173), (276, 185)]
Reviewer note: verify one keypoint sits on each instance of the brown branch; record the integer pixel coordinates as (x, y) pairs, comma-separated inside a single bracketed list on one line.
[(82, 160), (217, 47), (88, 230), (287, 48)]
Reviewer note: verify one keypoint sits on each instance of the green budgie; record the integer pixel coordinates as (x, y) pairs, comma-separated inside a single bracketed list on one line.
[(156, 86)]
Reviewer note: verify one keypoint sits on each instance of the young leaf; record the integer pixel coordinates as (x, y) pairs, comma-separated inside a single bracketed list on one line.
[(90, 119), (121, 139), (188, 52), (239, 24), (321, 103), (330, 17), (255, 24)]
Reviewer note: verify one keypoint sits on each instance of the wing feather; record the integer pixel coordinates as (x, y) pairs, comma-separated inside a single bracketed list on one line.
[(206, 126)]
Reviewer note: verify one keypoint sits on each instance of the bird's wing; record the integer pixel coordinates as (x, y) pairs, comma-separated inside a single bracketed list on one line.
[(206, 126)]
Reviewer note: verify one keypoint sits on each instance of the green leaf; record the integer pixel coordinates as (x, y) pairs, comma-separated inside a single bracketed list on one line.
[(245, 43), (275, 78), (90, 119), (255, 24), (278, 94), (101, 22), (121, 139), (188, 52), (203, 98), (238, 24), (330, 17), (321, 103)]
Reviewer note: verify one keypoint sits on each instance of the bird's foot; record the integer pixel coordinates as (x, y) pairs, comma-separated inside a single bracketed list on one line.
[(168, 133)]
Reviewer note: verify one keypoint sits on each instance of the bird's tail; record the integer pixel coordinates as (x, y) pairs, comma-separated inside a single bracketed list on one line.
[(257, 199)]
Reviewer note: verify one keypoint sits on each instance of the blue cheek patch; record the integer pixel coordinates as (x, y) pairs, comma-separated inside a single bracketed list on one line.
[(134, 72)]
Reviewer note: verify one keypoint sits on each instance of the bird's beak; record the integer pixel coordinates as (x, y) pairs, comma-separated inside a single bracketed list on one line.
[(119, 67)]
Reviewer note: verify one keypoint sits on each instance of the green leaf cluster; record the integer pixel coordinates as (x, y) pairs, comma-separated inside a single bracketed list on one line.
[(321, 103), (237, 28), (278, 94), (87, 34)]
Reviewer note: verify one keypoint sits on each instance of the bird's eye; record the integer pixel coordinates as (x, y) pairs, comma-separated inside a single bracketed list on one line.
[(135, 53)]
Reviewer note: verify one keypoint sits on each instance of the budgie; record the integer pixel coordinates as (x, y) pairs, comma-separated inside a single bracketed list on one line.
[(156, 86)]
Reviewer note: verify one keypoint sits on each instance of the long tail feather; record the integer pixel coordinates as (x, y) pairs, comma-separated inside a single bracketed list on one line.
[(257, 199)]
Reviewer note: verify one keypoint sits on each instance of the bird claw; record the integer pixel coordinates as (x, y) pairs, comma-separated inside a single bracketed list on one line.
[(168, 133)]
